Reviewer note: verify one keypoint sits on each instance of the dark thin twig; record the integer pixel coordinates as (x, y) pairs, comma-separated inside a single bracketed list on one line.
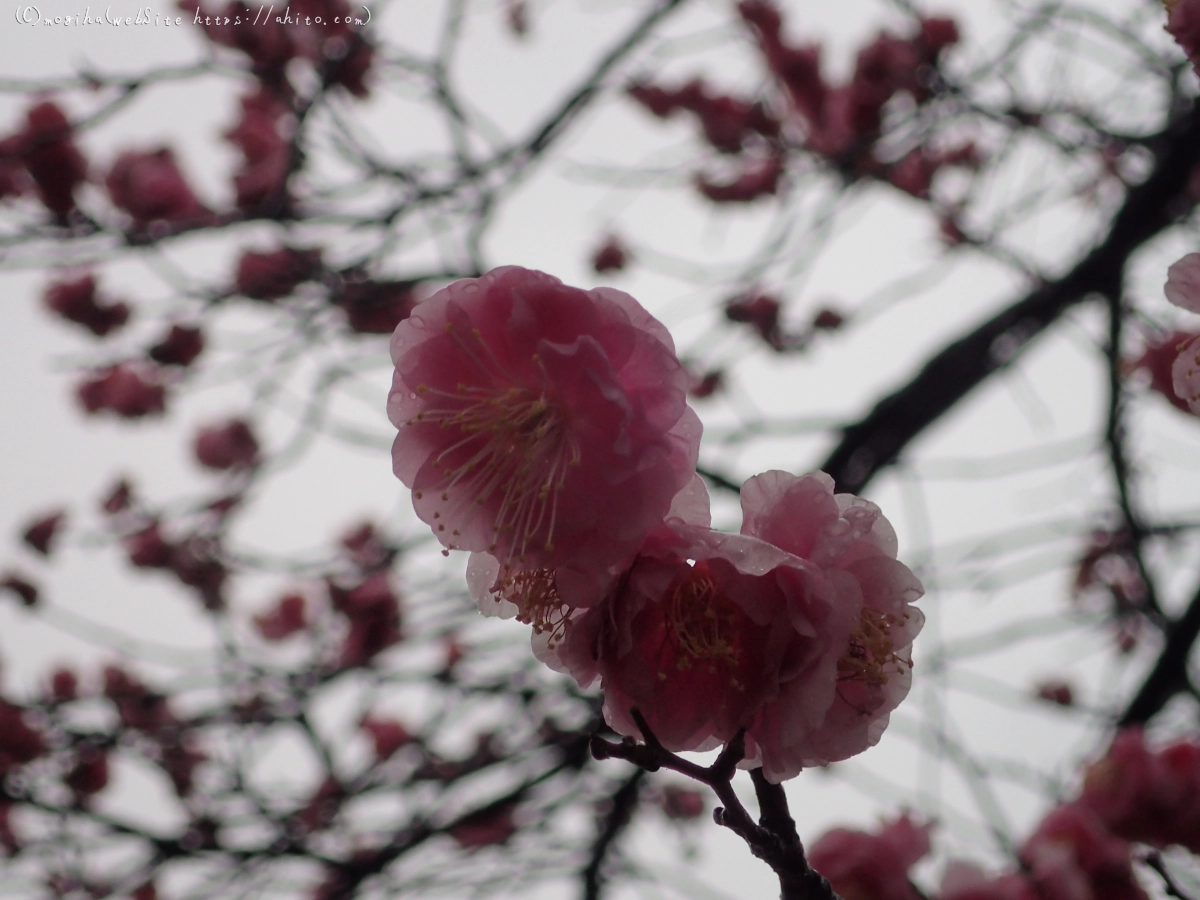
[(773, 839), (623, 803)]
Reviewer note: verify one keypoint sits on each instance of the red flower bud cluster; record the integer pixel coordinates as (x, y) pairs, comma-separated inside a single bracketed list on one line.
[(40, 533), (77, 301), (728, 124), (149, 186), (263, 136), (323, 32), (375, 307), (130, 390), (228, 445), (43, 154), (275, 274)]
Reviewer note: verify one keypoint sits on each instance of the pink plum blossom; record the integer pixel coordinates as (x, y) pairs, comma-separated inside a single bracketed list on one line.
[(865, 866), (544, 425), (1183, 283), (700, 632), (76, 301), (1185, 375), (1072, 856), (226, 445), (1183, 23), (149, 186), (1146, 795), (1158, 361), (840, 707)]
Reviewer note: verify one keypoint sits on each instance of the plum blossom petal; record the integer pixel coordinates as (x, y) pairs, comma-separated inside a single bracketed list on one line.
[(1185, 375), (1183, 283)]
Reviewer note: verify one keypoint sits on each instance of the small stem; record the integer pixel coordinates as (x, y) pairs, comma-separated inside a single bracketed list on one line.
[(773, 839)]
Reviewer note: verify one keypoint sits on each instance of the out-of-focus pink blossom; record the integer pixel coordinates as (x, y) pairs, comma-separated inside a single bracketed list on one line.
[(178, 347), (914, 173), (728, 123), (320, 31), (1183, 23), (761, 311), (611, 256), (118, 499), (938, 33), (322, 807), (89, 775), (681, 804), (706, 384), (149, 186), (148, 549), (1146, 795), (22, 587), (128, 390), (827, 319), (759, 177), (1072, 856), (137, 706), (1185, 375), (797, 68), (376, 307), (268, 44), (270, 276), (842, 708), (51, 157), (195, 562), (64, 685), (39, 534), (542, 424), (963, 881), (228, 445), (704, 629), (373, 611), (862, 865), (387, 735), (19, 744), (261, 135), (1056, 691), (76, 301), (1183, 282), (485, 828), (1158, 360), (367, 547), (285, 618), (180, 760)]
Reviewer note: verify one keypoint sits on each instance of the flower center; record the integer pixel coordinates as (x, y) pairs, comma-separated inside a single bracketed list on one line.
[(512, 442), (872, 650), (535, 595), (701, 622)]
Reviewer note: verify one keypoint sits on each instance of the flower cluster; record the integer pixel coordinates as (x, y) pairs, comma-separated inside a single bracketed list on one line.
[(842, 124), (546, 430), (1081, 850), (1183, 289)]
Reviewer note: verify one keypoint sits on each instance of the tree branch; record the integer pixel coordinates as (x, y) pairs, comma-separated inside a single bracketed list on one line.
[(877, 440)]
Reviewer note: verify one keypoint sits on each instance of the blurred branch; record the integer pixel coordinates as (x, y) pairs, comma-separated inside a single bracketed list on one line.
[(877, 440)]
